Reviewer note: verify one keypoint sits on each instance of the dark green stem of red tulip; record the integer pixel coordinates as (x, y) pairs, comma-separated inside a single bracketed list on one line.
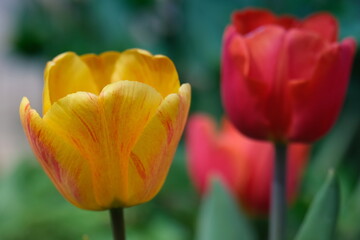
[(278, 196), (117, 223)]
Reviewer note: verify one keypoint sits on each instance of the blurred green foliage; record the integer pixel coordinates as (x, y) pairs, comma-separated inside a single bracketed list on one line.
[(216, 206), (31, 208), (322, 215), (189, 32)]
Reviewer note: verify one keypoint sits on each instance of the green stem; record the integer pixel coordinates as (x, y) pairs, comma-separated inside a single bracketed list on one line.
[(278, 195), (117, 223)]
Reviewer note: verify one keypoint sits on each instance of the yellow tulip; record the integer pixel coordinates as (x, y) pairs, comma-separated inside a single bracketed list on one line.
[(110, 127)]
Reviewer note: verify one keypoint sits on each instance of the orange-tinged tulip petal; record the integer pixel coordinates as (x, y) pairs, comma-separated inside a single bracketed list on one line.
[(156, 146), (108, 149), (157, 71), (101, 66), (66, 74), (106, 127), (65, 166)]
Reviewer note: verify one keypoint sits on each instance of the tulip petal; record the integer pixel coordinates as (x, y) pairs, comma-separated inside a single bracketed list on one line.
[(101, 67), (265, 47), (64, 75), (212, 154), (255, 194), (200, 143), (268, 65), (287, 21), (317, 102), (229, 33), (237, 91), (151, 157), (323, 24), (303, 53), (104, 129), (157, 71), (64, 165), (248, 20), (244, 165)]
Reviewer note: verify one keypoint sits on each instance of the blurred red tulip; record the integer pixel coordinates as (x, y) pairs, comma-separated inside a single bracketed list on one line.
[(242, 164), (284, 79)]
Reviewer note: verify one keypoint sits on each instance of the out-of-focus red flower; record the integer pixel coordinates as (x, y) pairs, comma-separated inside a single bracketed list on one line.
[(284, 79), (242, 164)]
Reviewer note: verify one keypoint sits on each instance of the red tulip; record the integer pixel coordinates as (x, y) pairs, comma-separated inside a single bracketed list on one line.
[(242, 164), (284, 79)]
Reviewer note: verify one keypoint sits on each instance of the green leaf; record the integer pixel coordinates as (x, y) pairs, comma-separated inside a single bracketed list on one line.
[(350, 218), (321, 218), (330, 154), (220, 217)]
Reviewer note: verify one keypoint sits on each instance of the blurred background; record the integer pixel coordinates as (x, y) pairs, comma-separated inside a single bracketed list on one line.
[(189, 32)]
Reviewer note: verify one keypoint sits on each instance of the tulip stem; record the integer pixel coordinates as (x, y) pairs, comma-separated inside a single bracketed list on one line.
[(117, 223), (278, 195)]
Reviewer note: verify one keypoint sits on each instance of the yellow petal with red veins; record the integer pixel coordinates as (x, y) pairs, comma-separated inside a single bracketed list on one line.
[(101, 66), (153, 153), (157, 71), (104, 129), (64, 75), (69, 171)]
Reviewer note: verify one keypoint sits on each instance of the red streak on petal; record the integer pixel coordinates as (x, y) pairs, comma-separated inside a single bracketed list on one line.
[(44, 152), (27, 107), (73, 186), (92, 135), (138, 165), (167, 123)]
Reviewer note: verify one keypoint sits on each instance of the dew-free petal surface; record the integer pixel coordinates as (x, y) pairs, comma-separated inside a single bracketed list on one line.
[(101, 67), (66, 167), (157, 71), (152, 155), (104, 129), (64, 75)]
